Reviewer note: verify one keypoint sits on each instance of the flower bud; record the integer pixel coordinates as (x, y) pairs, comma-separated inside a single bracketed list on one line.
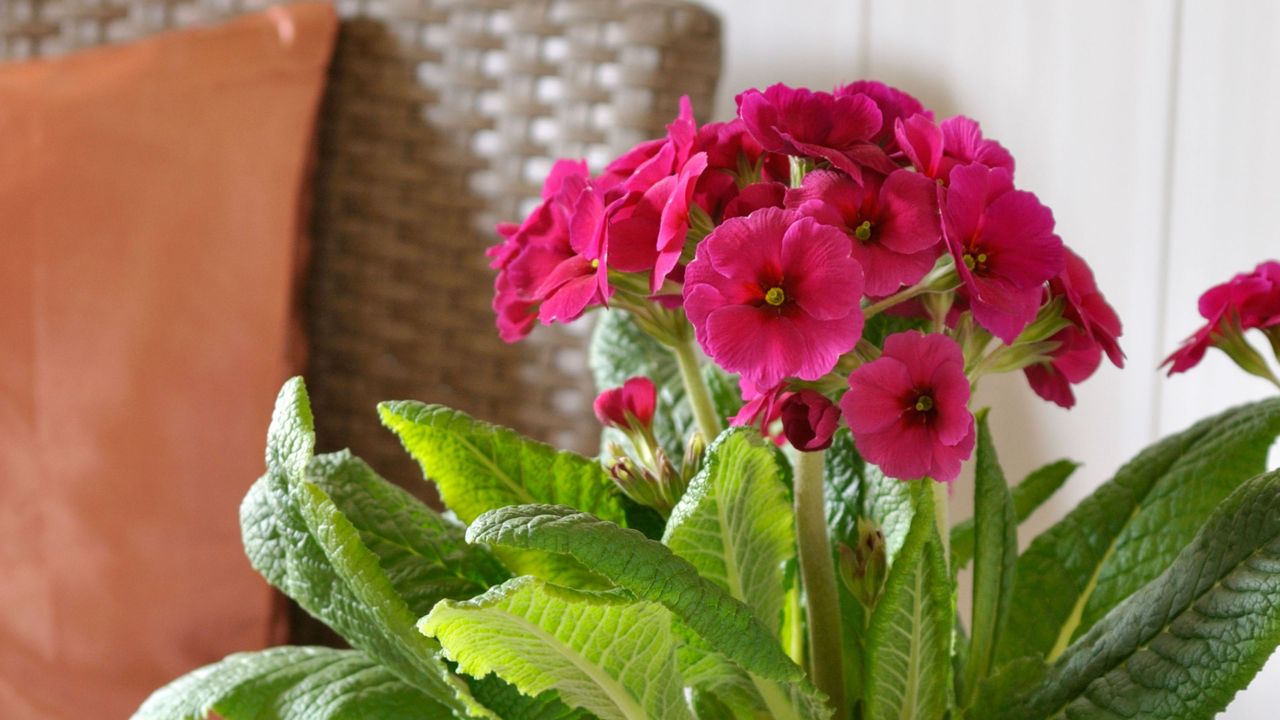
[(863, 568), (694, 452), (629, 407), (809, 420)]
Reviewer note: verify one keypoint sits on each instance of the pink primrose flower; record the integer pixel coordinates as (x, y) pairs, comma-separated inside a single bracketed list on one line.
[(892, 222), (774, 295), (909, 408), (1251, 300), (893, 104), (809, 420), (936, 149), (628, 407), (1003, 244)]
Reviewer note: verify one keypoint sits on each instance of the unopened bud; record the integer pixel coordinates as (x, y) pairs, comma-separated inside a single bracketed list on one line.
[(863, 568), (694, 452)]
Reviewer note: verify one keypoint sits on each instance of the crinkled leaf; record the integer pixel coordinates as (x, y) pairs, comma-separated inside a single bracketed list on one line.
[(1129, 530), (293, 683), (283, 548), (649, 570), (508, 703), (1028, 495), (735, 525), (479, 467), (909, 638), (1182, 646), (856, 488), (993, 567), (425, 556), (605, 652)]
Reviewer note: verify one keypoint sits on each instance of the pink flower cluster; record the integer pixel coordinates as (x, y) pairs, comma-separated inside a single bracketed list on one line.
[(780, 232), (1248, 301)]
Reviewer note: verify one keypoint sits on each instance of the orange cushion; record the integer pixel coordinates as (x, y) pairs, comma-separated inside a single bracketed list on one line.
[(150, 214)]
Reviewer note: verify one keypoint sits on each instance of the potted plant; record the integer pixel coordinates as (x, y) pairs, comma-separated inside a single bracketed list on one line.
[(800, 304)]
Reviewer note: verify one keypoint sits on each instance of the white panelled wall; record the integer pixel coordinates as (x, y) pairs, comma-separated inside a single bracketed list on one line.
[(1148, 126)]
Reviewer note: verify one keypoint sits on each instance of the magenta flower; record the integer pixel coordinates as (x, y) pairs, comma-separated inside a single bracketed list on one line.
[(799, 121), (645, 231), (1003, 244), (1073, 362), (936, 149), (541, 268), (909, 409), (1247, 301), (809, 420), (761, 408), (892, 222), (893, 105), (754, 197), (774, 295), (647, 163), (629, 407), (735, 161)]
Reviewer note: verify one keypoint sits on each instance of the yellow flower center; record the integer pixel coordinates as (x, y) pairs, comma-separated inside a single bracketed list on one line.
[(972, 261), (924, 403), (775, 296), (595, 264), (863, 231)]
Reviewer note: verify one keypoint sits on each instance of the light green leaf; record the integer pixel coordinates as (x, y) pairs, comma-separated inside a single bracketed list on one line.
[(602, 651), (479, 467), (508, 703), (735, 525), (649, 570), (993, 569), (1028, 495), (1129, 530), (1182, 646), (425, 556), (362, 600), (283, 548), (292, 683), (909, 638)]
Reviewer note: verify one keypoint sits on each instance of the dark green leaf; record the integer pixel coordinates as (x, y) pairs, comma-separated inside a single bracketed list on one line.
[(993, 571), (1181, 647), (1128, 531), (1028, 495)]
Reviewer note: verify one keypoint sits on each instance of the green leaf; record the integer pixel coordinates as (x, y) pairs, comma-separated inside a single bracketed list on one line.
[(602, 651), (479, 467), (856, 488), (649, 570), (735, 525), (909, 638), (993, 568), (1000, 692), (285, 550), (1182, 646), (1028, 495), (508, 703), (361, 600), (425, 556), (292, 683), (621, 350), (1129, 530)]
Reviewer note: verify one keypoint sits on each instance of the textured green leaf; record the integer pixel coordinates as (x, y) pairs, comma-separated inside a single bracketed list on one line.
[(602, 651), (425, 556), (1000, 692), (909, 638), (620, 350), (1028, 495), (292, 683), (856, 488), (1181, 647), (363, 599), (508, 703), (283, 548), (735, 525), (1129, 530), (479, 467), (993, 567), (649, 570)]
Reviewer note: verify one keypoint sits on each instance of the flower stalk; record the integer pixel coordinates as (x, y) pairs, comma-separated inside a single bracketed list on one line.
[(817, 574), (695, 388)]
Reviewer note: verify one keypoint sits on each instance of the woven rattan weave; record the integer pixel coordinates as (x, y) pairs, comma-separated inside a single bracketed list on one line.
[(440, 118)]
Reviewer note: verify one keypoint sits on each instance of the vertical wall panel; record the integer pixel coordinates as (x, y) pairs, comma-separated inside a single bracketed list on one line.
[(1223, 212)]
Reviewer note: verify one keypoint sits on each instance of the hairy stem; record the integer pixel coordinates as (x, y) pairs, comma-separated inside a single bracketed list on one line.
[(818, 575), (695, 388)]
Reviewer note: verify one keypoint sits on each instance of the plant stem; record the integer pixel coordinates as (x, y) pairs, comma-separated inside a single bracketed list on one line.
[(695, 388), (941, 512), (817, 573)]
